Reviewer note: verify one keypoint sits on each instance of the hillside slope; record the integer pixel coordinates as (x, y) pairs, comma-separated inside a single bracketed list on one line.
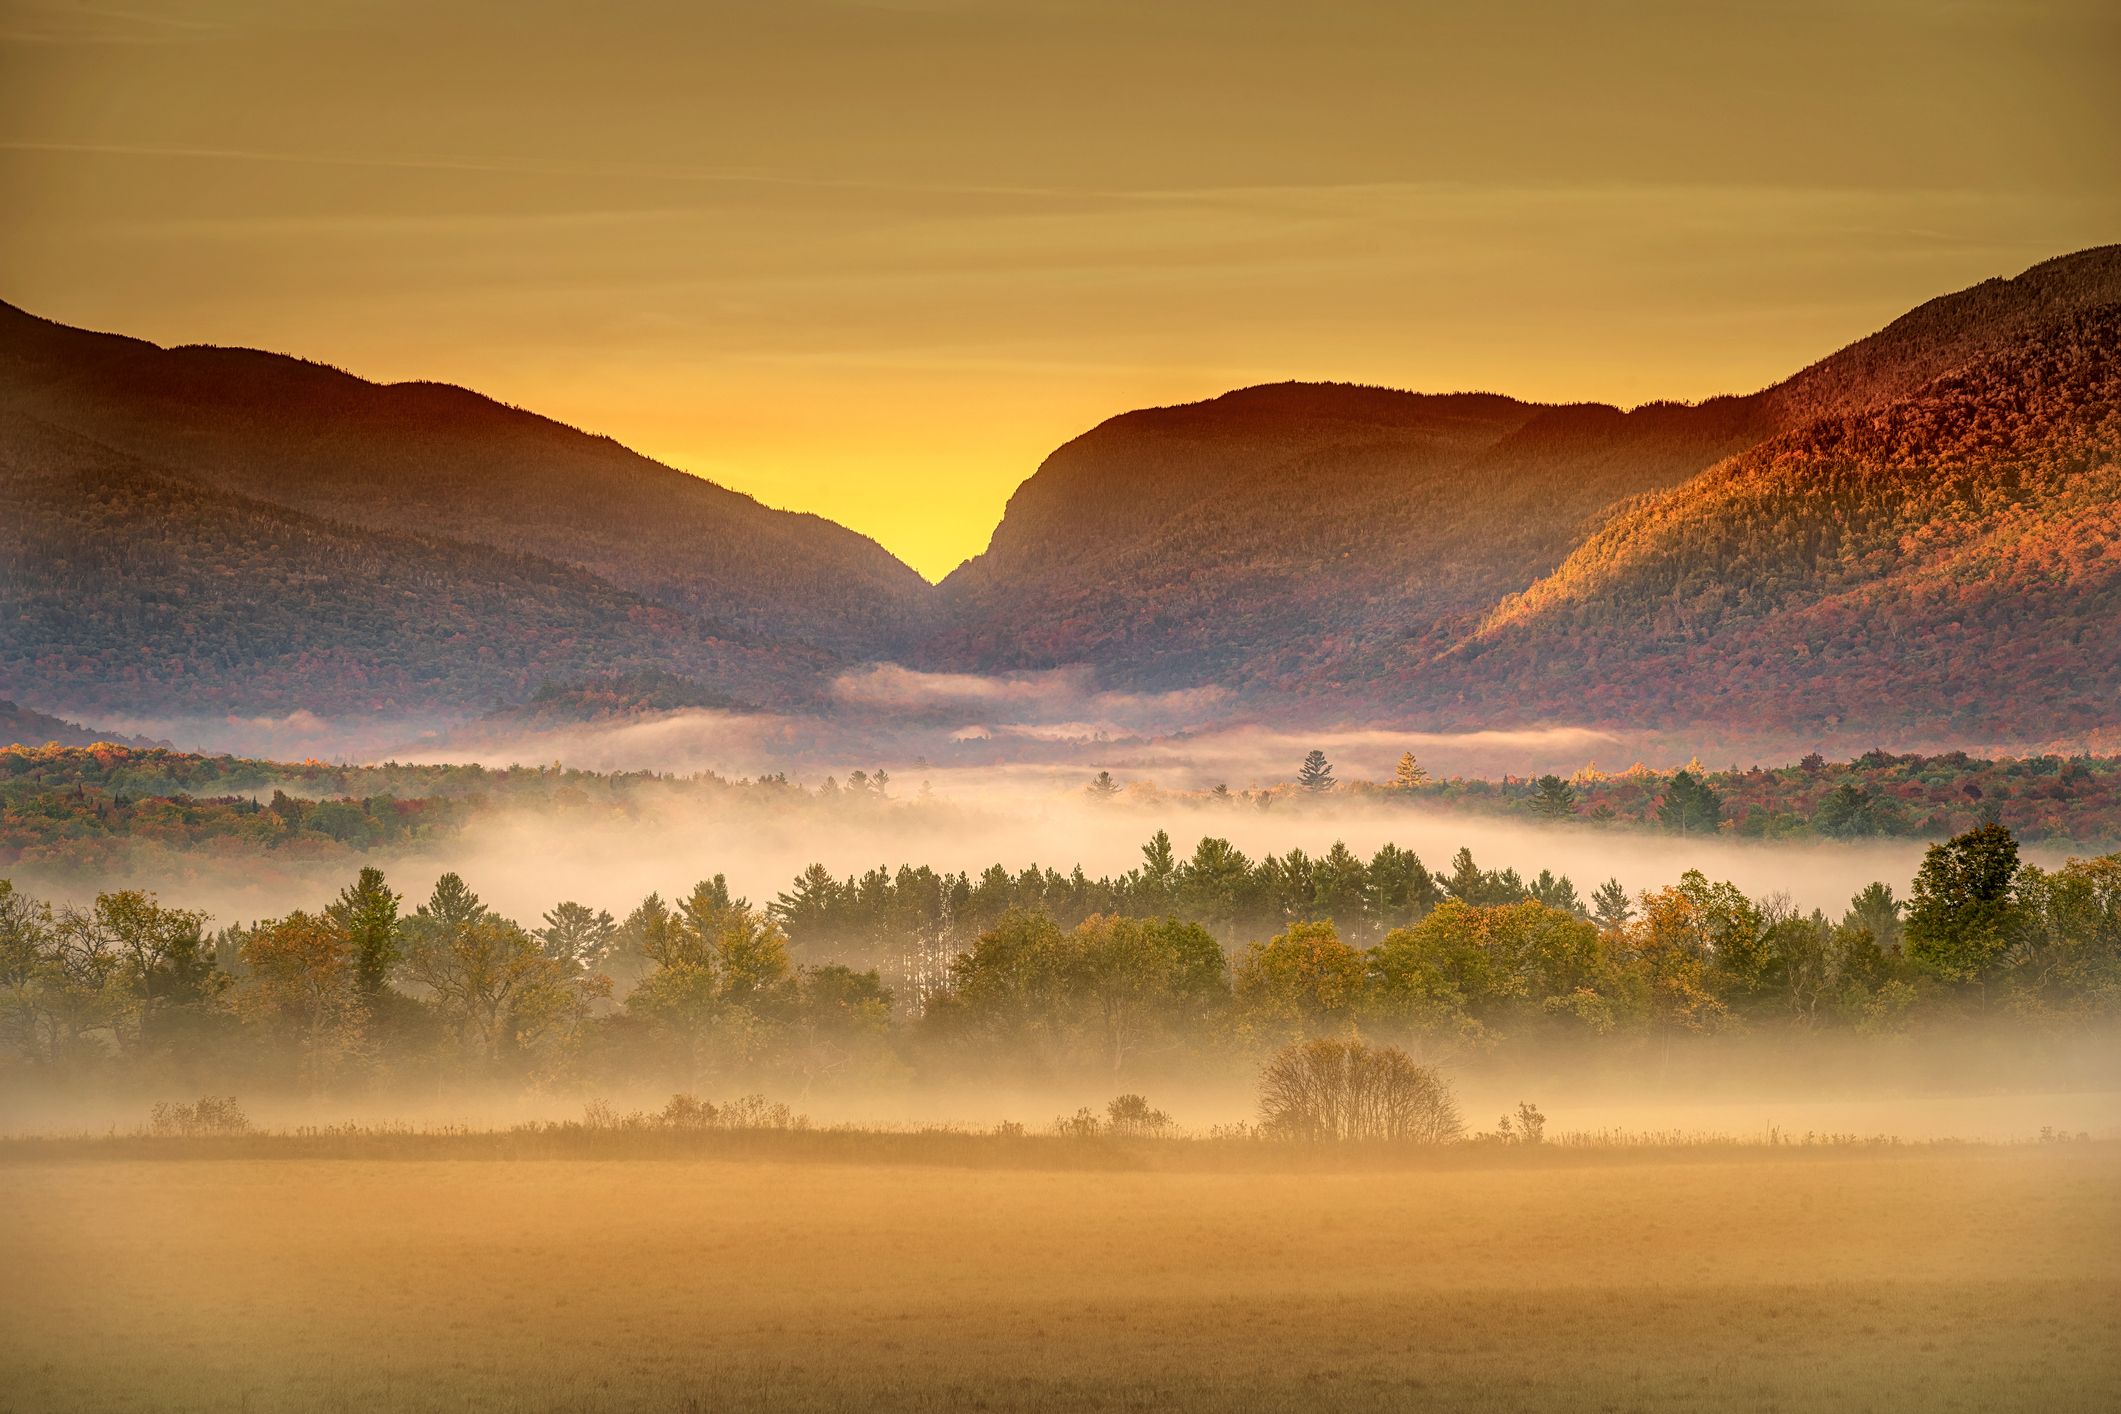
[(125, 588), (1330, 546), (1953, 558), (1279, 537), (1915, 530), (429, 459), (25, 726)]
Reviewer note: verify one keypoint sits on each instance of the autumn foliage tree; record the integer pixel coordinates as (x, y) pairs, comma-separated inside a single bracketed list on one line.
[(1963, 908), (304, 991)]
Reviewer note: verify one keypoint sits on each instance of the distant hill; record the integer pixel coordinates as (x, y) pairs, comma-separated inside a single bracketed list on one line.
[(23, 726), (428, 459), (128, 588), (1326, 548), (1915, 531), (1219, 541), (1297, 537), (1951, 559)]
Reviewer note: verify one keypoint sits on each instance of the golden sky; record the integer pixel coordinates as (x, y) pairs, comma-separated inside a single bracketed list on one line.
[(875, 260)]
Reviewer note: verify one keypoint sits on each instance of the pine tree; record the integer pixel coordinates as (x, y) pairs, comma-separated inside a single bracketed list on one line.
[(452, 906), (1555, 893), (1316, 773), (705, 907), (1690, 806), (575, 935), (1159, 872), (1410, 774), (1610, 905), (809, 906), (367, 911), (1553, 798), (1102, 786), (1877, 912)]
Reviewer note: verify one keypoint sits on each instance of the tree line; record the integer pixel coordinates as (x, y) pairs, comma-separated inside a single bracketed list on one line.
[(1035, 973)]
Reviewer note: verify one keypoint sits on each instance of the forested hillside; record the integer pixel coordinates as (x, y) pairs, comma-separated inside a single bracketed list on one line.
[(1953, 558), (127, 589), (1339, 545), (1917, 533), (24, 726), (430, 459), (1293, 536)]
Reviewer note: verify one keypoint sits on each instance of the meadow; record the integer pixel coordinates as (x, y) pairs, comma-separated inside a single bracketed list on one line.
[(991, 1274)]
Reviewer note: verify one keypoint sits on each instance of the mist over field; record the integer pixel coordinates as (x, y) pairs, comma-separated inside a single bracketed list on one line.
[(956, 818), (963, 818)]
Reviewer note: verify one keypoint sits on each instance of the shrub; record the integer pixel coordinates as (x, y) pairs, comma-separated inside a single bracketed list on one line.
[(1130, 1117), (1083, 1124), (688, 1112), (1530, 1126), (207, 1116), (756, 1112), (1335, 1091)]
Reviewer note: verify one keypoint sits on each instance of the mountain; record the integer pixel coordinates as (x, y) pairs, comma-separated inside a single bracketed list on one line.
[(1336, 549), (25, 726), (1951, 559), (1916, 531), (125, 587), (427, 460), (1176, 545), (1293, 537)]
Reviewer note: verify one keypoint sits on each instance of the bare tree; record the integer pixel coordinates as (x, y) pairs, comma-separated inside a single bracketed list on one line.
[(1336, 1091)]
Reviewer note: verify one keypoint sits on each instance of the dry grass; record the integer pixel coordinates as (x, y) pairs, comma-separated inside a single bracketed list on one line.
[(1783, 1280)]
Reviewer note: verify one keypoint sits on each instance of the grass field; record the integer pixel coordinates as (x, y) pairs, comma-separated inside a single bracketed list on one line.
[(1968, 1278)]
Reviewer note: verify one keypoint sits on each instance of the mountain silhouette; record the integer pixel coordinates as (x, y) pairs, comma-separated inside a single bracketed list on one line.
[(1914, 531)]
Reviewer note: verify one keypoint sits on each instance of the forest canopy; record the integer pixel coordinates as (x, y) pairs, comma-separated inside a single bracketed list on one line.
[(1183, 964)]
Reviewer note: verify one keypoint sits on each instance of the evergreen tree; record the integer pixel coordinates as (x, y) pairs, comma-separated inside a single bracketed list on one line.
[(1340, 890), (1215, 883), (1159, 873), (1410, 774), (451, 907), (1848, 812), (1469, 883), (367, 912), (1610, 904), (1316, 773), (651, 932), (575, 935), (1877, 912), (1690, 806), (810, 907), (1553, 798), (703, 909), (1555, 893), (1102, 786), (1401, 887)]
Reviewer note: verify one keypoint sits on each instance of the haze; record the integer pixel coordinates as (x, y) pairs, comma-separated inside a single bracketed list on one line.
[(875, 260)]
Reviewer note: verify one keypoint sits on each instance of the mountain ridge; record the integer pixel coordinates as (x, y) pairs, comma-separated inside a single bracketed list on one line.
[(416, 456), (1313, 546)]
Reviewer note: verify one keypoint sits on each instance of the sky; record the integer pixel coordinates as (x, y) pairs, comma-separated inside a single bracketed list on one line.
[(876, 259)]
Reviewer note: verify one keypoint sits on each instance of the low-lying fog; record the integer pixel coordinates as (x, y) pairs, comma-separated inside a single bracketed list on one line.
[(2002, 1089), (992, 771), (523, 862), (989, 770)]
